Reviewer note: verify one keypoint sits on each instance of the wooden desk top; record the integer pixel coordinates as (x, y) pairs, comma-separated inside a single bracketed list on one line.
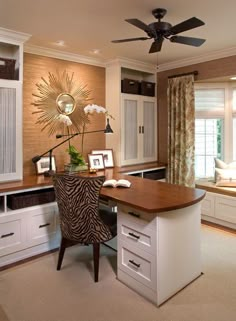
[(144, 194)]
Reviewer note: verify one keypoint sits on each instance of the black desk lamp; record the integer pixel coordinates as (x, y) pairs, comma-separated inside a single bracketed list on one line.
[(50, 172)]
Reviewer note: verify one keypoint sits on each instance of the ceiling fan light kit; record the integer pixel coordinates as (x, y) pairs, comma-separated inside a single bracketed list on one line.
[(160, 30)]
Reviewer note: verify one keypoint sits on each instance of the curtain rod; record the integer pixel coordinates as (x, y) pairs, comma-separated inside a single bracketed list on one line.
[(195, 73)]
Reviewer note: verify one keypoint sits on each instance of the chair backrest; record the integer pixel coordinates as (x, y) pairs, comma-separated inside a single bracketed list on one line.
[(78, 202)]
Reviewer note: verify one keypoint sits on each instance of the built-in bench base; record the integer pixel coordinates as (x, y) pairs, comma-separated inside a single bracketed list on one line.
[(219, 204)]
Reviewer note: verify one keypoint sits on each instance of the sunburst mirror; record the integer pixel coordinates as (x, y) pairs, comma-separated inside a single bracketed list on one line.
[(60, 102)]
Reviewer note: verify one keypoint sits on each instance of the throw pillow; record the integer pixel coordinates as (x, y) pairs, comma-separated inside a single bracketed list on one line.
[(220, 164), (225, 177)]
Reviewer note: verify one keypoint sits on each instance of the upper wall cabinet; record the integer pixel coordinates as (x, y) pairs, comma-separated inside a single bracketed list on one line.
[(135, 134), (138, 129), (11, 79)]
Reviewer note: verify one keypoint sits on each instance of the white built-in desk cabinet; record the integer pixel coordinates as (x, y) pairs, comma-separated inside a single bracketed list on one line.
[(158, 232)]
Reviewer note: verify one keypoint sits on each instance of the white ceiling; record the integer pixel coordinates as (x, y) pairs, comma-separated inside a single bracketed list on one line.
[(86, 25)]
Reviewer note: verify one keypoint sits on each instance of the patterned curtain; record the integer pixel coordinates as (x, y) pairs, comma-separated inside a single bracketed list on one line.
[(181, 131)]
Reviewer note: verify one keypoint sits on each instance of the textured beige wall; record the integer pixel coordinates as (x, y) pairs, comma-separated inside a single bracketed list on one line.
[(207, 70), (36, 141)]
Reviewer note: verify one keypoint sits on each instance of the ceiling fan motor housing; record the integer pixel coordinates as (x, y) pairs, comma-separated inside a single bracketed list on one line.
[(160, 28)]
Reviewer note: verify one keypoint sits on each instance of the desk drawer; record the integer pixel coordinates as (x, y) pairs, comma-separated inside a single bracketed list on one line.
[(12, 234), (42, 225), (137, 216), (136, 234), (138, 264)]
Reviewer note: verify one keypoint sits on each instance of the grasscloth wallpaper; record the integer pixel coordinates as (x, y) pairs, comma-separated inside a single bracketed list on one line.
[(36, 141)]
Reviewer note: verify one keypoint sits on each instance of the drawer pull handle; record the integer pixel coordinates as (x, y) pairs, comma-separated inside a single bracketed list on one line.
[(134, 263), (43, 225), (134, 235), (134, 214), (7, 235)]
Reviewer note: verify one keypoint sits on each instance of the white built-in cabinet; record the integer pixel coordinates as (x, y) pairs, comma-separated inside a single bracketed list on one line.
[(220, 209), (157, 253), (11, 80), (138, 134), (26, 230), (134, 139)]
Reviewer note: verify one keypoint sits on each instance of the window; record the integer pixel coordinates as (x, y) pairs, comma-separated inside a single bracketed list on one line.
[(212, 129)]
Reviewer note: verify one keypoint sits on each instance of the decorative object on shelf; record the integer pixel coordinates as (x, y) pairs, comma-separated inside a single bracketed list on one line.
[(107, 156), (43, 164), (7, 68), (77, 161), (37, 158), (107, 130), (96, 161)]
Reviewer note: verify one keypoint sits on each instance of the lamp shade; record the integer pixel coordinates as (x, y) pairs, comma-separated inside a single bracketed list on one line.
[(108, 129)]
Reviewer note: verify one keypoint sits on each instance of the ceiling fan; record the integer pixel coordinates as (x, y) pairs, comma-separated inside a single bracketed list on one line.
[(161, 30)]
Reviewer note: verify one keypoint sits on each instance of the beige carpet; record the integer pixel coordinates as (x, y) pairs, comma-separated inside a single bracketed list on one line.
[(35, 291)]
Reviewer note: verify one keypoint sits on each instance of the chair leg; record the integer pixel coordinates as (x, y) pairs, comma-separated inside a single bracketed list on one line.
[(61, 253), (96, 254)]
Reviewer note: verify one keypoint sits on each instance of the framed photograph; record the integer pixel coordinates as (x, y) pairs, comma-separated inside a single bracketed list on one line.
[(107, 156), (96, 161), (43, 165)]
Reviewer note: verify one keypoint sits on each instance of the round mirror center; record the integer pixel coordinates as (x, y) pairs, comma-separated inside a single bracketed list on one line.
[(65, 104)]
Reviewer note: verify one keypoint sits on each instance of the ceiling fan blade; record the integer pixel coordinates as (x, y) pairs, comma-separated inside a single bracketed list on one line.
[(139, 24), (196, 42), (156, 45), (129, 39), (186, 25)]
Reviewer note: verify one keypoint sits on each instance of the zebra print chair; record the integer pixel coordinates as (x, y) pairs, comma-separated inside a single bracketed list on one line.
[(81, 220)]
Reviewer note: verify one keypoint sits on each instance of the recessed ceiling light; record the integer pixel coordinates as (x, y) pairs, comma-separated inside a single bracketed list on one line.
[(233, 78), (60, 43), (96, 51)]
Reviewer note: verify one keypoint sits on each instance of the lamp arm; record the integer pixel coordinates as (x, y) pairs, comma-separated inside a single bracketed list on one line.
[(37, 158)]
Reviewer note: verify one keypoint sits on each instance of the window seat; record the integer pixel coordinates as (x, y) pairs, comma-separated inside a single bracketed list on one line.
[(219, 204), (211, 187)]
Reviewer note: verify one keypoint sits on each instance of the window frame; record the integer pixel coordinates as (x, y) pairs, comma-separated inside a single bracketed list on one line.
[(227, 152)]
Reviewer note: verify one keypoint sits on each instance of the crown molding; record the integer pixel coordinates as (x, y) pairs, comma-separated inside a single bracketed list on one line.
[(13, 36), (53, 53), (120, 61), (199, 59), (132, 64)]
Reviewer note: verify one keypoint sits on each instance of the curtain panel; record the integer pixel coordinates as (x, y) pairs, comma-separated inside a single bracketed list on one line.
[(181, 130)]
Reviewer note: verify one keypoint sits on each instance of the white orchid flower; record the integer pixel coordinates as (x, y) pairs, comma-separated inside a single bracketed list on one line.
[(98, 109), (65, 119), (91, 108)]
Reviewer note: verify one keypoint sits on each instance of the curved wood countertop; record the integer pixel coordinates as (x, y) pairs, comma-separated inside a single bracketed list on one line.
[(144, 194)]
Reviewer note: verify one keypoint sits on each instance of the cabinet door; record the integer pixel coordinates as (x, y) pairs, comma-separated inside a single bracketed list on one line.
[(10, 130), (129, 129), (138, 129), (149, 129)]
